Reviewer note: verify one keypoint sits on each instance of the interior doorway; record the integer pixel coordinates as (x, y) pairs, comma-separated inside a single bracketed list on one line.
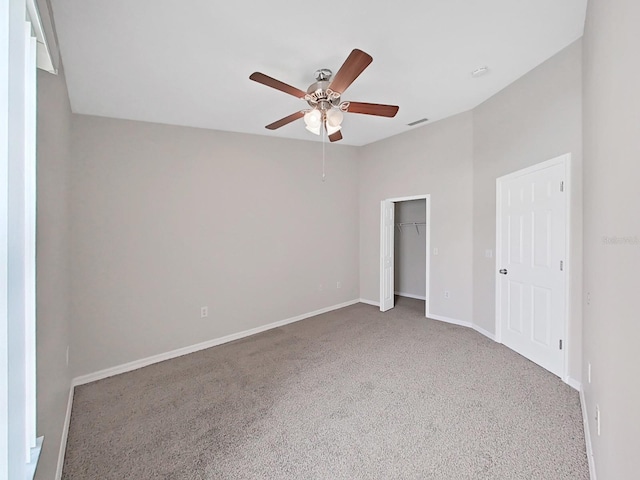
[(388, 228), (532, 253)]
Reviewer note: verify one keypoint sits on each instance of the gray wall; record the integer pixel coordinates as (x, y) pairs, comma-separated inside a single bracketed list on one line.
[(168, 219), (434, 159), (52, 265), (612, 209), (537, 118), (410, 249)]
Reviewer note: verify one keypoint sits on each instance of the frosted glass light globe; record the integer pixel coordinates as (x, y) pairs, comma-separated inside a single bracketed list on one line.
[(313, 118), (315, 130), (334, 117), (331, 130)]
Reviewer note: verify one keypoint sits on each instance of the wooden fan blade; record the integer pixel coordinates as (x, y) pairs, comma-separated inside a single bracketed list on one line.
[(283, 121), (334, 137), (373, 109), (277, 84), (352, 67)]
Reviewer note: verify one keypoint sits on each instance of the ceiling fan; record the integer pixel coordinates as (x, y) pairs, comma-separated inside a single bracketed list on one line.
[(324, 97)]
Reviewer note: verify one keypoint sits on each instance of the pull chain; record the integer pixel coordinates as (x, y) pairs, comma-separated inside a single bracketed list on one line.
[(323, 163)]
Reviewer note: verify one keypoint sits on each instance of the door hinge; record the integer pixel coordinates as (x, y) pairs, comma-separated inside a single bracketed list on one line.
[(560, 344), (562, 186), (561, 266)]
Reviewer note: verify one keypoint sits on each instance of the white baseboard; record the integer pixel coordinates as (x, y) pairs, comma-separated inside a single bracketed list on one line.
[(128, 367), (64, 436), (463, 323), (411, 295), (369, 302), (484, 332), (572, 382), (440, 318), (143, 362), (453, 321), (587, 435)]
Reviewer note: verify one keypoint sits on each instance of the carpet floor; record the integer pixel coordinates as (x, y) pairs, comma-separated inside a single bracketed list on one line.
[(351, 394)]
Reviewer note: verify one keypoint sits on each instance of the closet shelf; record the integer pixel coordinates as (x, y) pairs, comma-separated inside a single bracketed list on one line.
[(406, 224)]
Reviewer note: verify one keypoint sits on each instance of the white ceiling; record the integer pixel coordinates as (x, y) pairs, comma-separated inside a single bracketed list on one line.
[(187, 62)]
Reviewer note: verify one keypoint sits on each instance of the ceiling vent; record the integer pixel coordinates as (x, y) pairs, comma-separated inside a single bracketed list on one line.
[(422, 120)]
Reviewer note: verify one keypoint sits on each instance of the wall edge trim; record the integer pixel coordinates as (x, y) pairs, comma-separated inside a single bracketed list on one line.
[(484, 332), (572, 382), (411, 295), (369, 302), (65, 434), (144, 362), (453, 321), (587, 435)]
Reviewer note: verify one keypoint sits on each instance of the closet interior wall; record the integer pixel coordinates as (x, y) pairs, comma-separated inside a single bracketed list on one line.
[(410, 248)]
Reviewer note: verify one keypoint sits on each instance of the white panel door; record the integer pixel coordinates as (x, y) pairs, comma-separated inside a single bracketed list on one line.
[(387, 221), (532, 215)]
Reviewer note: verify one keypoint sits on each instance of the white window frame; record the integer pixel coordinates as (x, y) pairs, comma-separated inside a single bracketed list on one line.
[(22, 48), (30, 119), (4, 211)]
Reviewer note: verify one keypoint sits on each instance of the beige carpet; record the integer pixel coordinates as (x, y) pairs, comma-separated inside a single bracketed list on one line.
[(352, 394)]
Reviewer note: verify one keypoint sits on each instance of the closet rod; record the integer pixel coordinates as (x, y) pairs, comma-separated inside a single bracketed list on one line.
[(415, 224)]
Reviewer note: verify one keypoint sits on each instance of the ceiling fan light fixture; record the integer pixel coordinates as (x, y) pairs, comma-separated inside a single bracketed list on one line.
[(331, 129), (314, 130), (313, 119), (334, 118)]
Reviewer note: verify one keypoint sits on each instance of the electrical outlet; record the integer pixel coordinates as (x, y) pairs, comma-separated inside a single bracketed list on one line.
[(447, 294), (588, 298), (589, 372), (435, 251), (204, 312), (338, 284), (488, 253), (320, 287), (598, 418)]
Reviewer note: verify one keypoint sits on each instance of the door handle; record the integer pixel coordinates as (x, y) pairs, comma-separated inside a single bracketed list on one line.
[(503, 271)]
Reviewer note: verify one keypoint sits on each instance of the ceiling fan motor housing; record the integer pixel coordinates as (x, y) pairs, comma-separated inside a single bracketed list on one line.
[(320, 96)]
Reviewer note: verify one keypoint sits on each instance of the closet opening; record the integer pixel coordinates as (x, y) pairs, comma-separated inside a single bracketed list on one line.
[(405, 233)]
